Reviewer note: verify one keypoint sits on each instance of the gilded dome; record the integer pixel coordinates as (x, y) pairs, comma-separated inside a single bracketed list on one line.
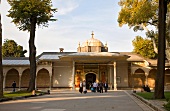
[(92, 42)]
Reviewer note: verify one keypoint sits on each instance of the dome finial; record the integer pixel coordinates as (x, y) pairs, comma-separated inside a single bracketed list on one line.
[(79, 44), (106, 44), (92, 34)]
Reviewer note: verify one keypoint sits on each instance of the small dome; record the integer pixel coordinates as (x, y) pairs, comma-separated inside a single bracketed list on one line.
[(92, 42)]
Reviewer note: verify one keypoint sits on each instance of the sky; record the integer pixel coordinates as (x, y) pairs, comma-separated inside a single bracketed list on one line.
[(76, 19)]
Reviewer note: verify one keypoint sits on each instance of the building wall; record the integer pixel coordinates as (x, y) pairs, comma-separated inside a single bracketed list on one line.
[(62, 74), (122, 73)]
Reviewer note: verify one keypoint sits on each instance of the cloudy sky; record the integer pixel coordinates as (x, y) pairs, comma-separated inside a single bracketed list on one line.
[(76, 20)]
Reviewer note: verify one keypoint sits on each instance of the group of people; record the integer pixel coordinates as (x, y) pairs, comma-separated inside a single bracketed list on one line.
[(94, 87), (98, 87)]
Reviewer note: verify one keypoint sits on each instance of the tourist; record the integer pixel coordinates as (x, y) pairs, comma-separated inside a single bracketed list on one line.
[(100, 87), (14, 86), (84, 87), (81, 87), (95, 86), (105, 86)]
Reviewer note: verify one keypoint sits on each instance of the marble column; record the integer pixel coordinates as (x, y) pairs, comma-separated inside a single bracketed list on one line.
[(110, 78), (50, 81), (146, 75), (4, 81), (73, 76), (115, 83), (20, 81), (36, 82)]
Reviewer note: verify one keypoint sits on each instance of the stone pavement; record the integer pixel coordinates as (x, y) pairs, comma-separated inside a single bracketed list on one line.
[(68, 100), (157, 105)]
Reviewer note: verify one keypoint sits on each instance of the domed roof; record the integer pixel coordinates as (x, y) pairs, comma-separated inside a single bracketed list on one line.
[(92, 42)]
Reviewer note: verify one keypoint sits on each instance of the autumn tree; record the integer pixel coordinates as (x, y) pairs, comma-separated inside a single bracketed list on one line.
[(139, 14), (11, 49), (26, 14), (144, 47), (142, 13)]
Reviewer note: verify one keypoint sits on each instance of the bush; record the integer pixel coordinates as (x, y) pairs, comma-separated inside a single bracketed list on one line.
[(167, 106)]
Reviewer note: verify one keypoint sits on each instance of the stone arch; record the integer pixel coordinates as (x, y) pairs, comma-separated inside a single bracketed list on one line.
[(139, 78), (12, 75), (43, 78), (167, 77), (151, 78), (90, 78), (25, 78)]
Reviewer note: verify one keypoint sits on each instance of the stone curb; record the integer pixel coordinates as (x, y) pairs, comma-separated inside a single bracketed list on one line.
[(22, 97), (156, 108)]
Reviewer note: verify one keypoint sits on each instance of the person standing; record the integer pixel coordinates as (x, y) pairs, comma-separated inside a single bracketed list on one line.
[(14, 86), (81, 87), (95, 86), (84, 87), (101, 87), (105, 86)]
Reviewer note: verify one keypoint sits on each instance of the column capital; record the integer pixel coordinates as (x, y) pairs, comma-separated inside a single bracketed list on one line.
[(146, 74)]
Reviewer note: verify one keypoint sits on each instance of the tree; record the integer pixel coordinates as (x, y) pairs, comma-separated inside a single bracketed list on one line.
[(1, 70), (144, 47), (159, 83), (139, 14), (26, 14), (11, 49)]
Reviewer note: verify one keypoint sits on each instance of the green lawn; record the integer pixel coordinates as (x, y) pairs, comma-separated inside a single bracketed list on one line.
[(19, 93), (149, 95)]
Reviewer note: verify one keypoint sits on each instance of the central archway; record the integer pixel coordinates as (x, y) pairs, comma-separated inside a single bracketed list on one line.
[(90, 78)]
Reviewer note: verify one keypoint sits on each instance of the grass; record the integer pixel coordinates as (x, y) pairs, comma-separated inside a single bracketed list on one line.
[(149, 95), (19, 94), (167, 106)]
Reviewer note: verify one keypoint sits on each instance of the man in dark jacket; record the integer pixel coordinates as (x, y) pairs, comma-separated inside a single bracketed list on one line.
[(14, 86), (100, 87), (105, 86)]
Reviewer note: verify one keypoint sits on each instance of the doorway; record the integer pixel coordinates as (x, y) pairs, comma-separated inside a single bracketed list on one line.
[(90, 78)]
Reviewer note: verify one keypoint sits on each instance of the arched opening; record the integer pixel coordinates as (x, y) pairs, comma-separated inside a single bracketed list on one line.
[(90, 78), (167, 77), (151, 78), (139, 78), (12, 75), (43, 78), (25, 78)]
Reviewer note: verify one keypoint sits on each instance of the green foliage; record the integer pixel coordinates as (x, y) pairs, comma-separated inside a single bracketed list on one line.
[(11, 49), (23, 10), (136, 12), (144, 47), (167, 106)]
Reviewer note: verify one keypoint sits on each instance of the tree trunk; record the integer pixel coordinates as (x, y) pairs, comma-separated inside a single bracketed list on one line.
[(1, 70), (159, 83), (32, 55), (153, 39)]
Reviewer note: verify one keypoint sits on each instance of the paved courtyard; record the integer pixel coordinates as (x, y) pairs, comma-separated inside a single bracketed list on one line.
[(66, 100)]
